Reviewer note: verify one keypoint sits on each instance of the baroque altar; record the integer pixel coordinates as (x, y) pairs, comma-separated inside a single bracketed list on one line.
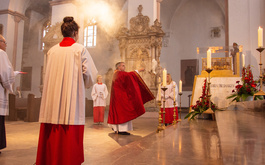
[(140, 47)]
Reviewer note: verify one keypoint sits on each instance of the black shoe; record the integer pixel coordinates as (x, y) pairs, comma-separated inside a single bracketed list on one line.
[(124, 133)]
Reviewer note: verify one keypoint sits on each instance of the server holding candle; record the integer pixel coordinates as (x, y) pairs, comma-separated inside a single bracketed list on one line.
[(170, 95)]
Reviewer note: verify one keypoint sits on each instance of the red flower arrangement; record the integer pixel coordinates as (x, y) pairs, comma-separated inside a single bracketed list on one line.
[(202, 104), (247, 88)]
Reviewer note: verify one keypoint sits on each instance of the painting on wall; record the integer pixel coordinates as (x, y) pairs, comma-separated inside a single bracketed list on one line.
[(189, 68), (26, 79)]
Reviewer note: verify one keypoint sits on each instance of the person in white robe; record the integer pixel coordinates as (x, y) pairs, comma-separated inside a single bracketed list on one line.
[(169, 100), (70, 69), (99, 94), (7, 78)]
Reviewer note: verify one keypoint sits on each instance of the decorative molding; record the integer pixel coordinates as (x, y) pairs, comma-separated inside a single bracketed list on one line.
[(139, 25), (13, 13), (60, 2)]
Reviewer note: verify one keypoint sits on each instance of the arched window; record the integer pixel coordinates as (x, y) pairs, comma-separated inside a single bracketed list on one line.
[(90, 34), (1, 29), (45, 29)]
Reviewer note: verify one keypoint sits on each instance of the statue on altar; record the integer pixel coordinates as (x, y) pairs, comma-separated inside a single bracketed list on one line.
[(234, 51)]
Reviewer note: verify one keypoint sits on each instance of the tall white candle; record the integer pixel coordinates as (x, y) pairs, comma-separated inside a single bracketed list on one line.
[(159, 89), (243, 60), (260, 37), (180, 86), (209, 59), (164, 77)]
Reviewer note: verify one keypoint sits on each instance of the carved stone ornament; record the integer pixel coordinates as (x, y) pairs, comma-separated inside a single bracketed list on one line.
[(139, 25)]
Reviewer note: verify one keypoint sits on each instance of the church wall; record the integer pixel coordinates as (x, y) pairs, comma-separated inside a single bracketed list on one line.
[(18, 5), (245, 16), (190, 27), (63, 10), (32, 54), (4, 4)]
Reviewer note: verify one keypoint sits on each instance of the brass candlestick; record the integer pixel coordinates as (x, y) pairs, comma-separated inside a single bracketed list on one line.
[(209, 110), (160, 126), (180, 93), (260, 92), (164, 105), (174, 115)]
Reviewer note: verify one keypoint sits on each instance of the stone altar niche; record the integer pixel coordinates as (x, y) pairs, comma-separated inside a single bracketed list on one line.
[(140, 46)]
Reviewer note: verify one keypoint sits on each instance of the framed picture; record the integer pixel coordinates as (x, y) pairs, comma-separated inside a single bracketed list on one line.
[(189, 68)]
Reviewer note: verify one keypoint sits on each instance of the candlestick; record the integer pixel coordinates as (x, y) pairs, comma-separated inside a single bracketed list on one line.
[(260, 37), (260, 92), (159, 89), (180, 86), (243, 60), (209, 110), (174, 92), (164, 104), (180, 93), (209, 58), (164, 77), (160, 126)]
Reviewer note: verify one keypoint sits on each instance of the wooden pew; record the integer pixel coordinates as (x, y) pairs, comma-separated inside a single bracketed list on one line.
[(89, 108), (33, 109), (17, 107)]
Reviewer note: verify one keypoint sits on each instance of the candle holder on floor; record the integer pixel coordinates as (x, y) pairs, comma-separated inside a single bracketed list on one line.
[(160, 126), (174, 114), (260, 92), (209, 110), (180, 93)]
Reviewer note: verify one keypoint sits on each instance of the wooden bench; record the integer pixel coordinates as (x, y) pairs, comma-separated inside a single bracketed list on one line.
[(26, 109), (89, 108), (17, 108), (33, 108)]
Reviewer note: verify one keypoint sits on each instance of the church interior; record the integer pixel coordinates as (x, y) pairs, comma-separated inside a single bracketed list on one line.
[(175, 35)]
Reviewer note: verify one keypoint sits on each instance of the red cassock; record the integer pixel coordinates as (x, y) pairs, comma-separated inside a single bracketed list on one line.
[(129, 93)]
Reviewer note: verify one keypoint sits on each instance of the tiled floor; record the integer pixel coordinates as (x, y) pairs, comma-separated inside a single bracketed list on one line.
[(198, 142)]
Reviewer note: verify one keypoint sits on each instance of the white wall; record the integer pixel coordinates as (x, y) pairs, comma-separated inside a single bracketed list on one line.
[(63, 10), (190, 27), (245, 16)]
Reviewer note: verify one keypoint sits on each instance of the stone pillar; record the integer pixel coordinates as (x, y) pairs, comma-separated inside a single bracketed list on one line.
[(158, 9), (17, 19)]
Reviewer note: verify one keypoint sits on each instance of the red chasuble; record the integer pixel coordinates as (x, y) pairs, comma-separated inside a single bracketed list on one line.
[(129, 93)]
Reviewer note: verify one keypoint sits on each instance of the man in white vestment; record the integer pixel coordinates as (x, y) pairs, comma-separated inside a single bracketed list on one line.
[(7, 78)]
